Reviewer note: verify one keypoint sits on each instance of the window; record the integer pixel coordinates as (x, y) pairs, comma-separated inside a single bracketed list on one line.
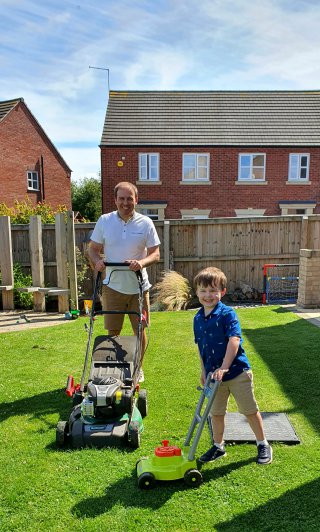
[(153, 209), (298, 167), (148, 167), (33, 180), (152, 213), (195, 167), (252, 166)]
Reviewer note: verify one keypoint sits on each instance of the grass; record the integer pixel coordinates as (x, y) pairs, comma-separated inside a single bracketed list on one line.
[(93, 490)]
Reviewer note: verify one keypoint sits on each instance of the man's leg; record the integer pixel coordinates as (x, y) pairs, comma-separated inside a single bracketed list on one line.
[(113, 300), (145, 322)]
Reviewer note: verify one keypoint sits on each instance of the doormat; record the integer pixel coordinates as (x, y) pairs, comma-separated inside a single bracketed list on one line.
[(277, 427)]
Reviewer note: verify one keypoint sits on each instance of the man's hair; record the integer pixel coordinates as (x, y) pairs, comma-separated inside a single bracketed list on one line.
[(125, 184), (210, 277)]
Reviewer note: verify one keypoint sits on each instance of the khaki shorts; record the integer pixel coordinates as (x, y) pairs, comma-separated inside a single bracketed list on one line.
[(241, 387), (113, 300)]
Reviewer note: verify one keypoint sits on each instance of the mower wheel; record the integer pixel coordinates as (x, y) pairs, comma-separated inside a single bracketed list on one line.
[(146, 481), (61, 433), (134, 439), (193, 478), (142, 402)]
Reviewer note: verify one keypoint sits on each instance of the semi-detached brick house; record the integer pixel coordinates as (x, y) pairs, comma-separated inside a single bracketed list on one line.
[(207, 154), (30, 165)]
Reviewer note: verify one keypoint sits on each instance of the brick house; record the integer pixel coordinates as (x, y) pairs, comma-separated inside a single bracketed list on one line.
[(207, 154), (30, 165)]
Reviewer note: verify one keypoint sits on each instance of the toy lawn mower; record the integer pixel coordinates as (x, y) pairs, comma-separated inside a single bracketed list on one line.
[(109, 407), (171, 462)]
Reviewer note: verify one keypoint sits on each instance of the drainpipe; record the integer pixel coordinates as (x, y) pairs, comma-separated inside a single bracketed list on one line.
[(42, 178)]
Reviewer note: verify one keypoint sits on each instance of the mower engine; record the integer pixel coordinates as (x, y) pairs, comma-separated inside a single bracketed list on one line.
[(107, 398)]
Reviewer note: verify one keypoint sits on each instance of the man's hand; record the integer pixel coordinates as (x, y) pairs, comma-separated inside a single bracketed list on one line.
[(99, 266), (134, 265)]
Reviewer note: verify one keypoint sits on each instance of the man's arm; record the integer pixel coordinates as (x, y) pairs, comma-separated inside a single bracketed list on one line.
[(94, 251)]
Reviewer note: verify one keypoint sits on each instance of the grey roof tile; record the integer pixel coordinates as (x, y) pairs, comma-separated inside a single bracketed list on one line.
[(212, 118)]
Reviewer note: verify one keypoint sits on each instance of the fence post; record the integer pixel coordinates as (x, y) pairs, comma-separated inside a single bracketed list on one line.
[(166, 244), (72, 260), (6, 263), (36, 258), (62, 261), (304, 233)]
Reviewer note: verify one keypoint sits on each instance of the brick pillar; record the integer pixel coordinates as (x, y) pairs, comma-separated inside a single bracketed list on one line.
[(309, 279)]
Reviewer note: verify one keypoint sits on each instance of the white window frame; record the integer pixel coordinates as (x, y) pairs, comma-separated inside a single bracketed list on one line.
[(33, 180), (251, 167), (143, 208), (146, 167), (294, 173), (196, 167)]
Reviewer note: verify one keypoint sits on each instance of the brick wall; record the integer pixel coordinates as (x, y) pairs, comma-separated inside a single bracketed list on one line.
[(223, 195), (309, 279), (22, 144)]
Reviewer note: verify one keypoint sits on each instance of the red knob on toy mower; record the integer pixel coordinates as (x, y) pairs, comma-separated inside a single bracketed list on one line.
[(166, 450)]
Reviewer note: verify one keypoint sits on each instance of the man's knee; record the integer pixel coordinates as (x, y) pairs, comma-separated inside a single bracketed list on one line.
[(114, 332)]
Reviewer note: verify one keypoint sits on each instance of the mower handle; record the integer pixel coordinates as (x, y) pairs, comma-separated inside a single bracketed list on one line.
[(127, 264)]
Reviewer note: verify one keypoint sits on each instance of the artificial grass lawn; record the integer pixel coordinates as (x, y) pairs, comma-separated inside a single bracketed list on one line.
[(47, 489)]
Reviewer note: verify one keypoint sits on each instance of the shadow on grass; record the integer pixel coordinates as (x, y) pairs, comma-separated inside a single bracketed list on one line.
[(291, 351), (298, 509), (127, 493), (38, 406)]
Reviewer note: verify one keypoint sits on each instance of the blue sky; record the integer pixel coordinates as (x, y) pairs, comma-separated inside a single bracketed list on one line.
[(47, 47)]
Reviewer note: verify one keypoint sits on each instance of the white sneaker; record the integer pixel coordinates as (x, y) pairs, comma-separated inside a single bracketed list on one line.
[(141, 375)]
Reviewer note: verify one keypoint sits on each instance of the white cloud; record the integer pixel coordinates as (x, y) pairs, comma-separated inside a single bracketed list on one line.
[(47, 47)]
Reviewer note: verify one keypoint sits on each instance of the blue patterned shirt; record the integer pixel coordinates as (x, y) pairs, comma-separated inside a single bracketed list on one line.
[(212, 333)]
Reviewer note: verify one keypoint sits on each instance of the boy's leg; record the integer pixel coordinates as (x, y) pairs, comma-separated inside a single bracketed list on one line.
[(256, 424), (241, 388), (218, 429), (218, 411)]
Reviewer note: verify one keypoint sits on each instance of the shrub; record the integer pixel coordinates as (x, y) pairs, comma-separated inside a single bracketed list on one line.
[(22, 210), (23, 300)]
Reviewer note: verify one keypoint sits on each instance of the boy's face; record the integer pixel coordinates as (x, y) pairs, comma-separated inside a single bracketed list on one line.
[(209, 296)]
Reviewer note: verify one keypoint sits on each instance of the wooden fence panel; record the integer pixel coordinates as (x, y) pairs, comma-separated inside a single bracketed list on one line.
[(239, 246)]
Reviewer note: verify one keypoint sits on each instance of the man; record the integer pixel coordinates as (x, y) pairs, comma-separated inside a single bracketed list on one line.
[(124, 236)]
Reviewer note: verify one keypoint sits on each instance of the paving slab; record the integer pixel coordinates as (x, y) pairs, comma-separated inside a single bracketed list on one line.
[(13, 321)]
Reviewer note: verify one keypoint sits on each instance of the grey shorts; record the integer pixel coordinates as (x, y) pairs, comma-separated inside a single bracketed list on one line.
[(241, 388)]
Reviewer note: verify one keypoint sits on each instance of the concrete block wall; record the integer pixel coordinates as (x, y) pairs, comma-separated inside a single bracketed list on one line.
[(309, 279)]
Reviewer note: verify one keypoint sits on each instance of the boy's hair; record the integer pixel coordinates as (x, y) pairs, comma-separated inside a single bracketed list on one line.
[(126, 184), (210, 277)]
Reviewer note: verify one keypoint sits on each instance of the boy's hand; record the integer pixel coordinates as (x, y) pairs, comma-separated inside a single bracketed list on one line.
[(202, 379), (219, 373)]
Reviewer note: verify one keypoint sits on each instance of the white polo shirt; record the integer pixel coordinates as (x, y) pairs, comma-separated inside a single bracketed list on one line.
[(123, 241)]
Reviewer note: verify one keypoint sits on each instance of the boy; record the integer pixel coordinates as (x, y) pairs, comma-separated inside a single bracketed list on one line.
[(217, 333)]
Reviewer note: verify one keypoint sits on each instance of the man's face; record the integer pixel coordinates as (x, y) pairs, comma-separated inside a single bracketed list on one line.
[(125, 202)]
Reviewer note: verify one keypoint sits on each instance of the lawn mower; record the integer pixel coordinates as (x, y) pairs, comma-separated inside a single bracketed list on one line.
[(108, 407), (170, 462)]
